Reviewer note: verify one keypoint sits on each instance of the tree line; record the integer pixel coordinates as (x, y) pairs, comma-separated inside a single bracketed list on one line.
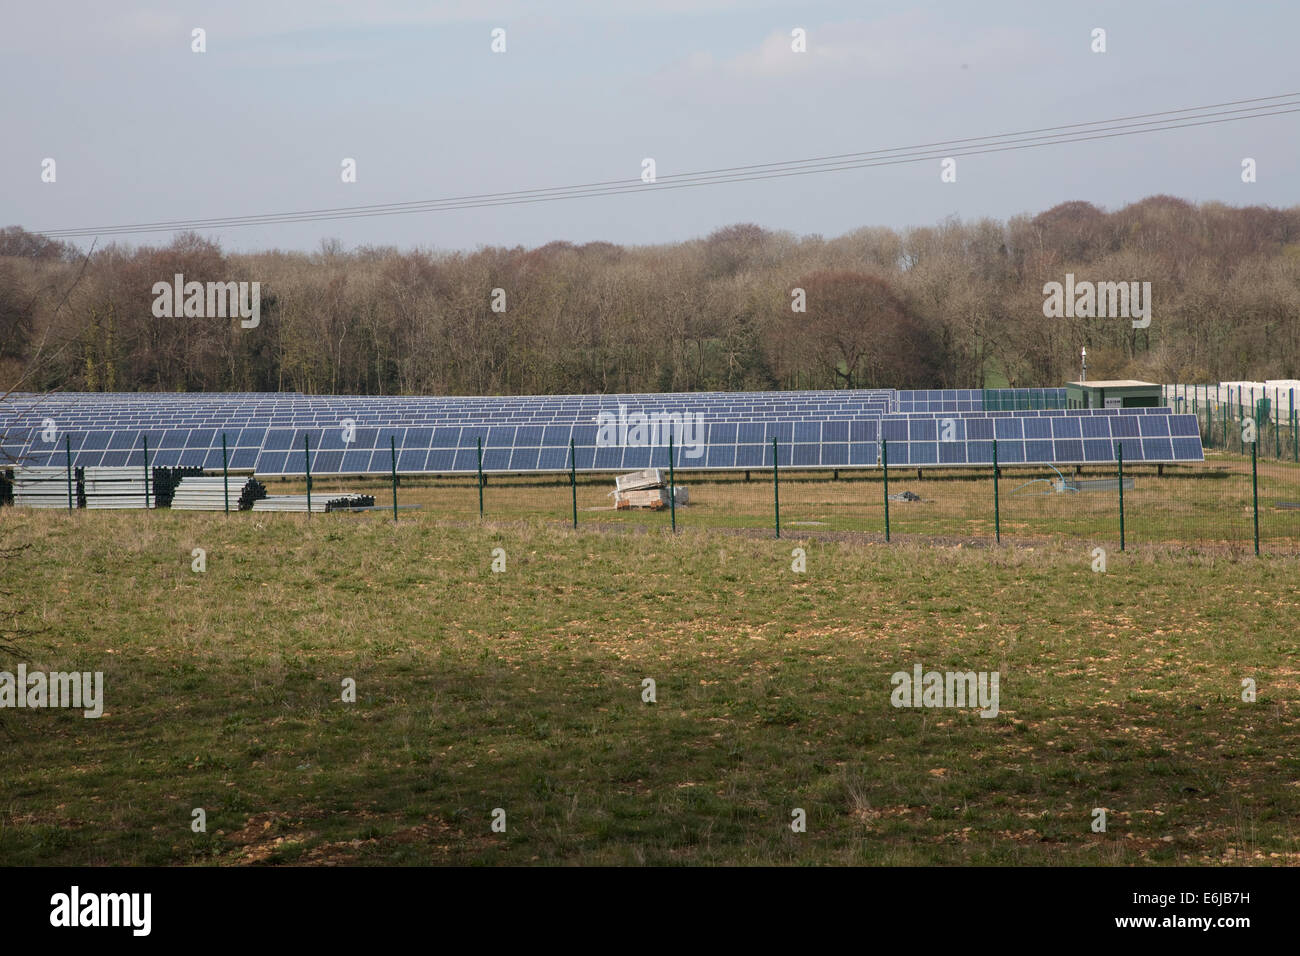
[(955, 305)]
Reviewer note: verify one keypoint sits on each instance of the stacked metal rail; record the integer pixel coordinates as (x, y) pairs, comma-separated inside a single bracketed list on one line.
[(106, 488), (165, 480), (319, 503), (211, 494), (43, 488)]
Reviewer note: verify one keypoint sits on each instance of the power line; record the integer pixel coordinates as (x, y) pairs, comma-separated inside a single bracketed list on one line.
[(1207, 115)]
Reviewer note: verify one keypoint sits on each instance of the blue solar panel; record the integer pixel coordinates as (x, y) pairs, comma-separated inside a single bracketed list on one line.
[(278, 439), (524, 434), (1150, 425), (923, 453), (1038, 428)]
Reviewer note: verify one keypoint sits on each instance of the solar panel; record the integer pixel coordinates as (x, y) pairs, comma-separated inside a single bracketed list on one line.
[(353, 435)]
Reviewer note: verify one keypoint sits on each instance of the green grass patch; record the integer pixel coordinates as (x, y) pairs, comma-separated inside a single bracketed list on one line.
[(522, 690)]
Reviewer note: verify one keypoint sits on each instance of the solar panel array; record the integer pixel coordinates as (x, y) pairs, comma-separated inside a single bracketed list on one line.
[(270, 434), (980, 399)]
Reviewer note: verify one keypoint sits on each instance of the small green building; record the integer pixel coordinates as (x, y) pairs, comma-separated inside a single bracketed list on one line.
[(1124, 393)]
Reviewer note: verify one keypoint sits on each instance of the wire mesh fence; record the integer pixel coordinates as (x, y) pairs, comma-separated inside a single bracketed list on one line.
[(1232, 418), (1221, 504), (1245, 496)]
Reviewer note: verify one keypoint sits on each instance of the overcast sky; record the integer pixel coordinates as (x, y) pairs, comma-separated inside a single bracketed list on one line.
[(143, 129)]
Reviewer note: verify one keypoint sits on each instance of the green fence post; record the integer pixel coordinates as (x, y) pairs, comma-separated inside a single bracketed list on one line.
[(225, 471), (306, 460), (884, 470), (1227, 413), (392, 447), (1254, 491), (1207, 406), (1295, 432), (480, 476), (1277, 427), (776, 486), (997, 507), (146, 471), (67, 449), (672, 485), (1209, 412), (1119, 454), (573, 480)]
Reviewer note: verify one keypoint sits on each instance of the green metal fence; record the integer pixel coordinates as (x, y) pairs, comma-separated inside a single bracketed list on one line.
[(1226, 503), (1244, 497)]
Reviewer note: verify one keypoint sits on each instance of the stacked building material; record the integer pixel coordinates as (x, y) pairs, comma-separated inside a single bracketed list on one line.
[(210, 494), (319, 502), (114, 487), (641, 480), (43, 488), (645, 489), (654, 498), (165, 479)]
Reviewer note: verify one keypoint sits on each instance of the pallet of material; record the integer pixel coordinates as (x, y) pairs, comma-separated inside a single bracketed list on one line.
[(210, 494), (640, 480), (655, 498), (166, 478), (104, 488), (42, 487), (319, 503)]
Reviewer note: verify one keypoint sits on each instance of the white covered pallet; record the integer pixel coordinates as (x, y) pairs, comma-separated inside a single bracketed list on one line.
[(655, 498), (639, 480)]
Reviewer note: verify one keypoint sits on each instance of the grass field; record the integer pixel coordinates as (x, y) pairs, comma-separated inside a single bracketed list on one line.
[(522, 690), (1192, 506)]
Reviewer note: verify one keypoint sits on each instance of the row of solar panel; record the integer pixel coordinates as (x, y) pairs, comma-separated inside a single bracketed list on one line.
[(171, 434), (949, 394), (589, 458), (910, 428), (291, 406), (133, 413), (974, 399), (1058, 452), (977, 406), (1040, 413), (940, 406), (521, 458), (297, 398), (180, 421), (329, 420), (775, 400), (93, 404)]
